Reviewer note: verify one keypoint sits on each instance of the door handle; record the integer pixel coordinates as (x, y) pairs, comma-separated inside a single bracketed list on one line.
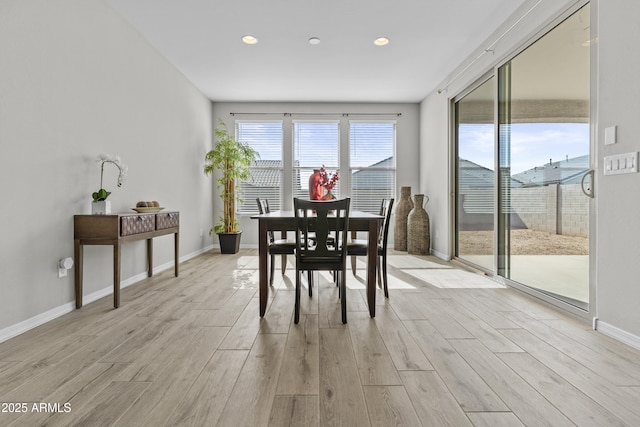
[(588, 191)]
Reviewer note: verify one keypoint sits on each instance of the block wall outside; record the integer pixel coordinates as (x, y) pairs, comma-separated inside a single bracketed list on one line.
[(558, 209)]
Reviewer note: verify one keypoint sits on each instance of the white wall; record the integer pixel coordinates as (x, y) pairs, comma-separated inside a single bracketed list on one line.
[(434, 171), (77, 81), (618, 269), (617, 98), (407, 138)]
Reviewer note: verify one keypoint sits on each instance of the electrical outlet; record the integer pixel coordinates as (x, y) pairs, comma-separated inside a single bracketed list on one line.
[(201, 233), (63, 266)]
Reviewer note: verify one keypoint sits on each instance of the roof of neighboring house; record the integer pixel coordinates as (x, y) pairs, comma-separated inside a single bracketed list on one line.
[(569, 171), (473, 175), (266, 173), (368, 179)]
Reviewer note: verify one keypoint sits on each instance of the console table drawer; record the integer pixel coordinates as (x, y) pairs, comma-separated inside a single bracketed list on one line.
[(167, 220), (136, 224)]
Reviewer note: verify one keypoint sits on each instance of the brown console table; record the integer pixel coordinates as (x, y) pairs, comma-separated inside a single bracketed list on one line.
[(116, 229)]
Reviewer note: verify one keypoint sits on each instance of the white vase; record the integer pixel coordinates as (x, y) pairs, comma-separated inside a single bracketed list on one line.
[(102, 207)]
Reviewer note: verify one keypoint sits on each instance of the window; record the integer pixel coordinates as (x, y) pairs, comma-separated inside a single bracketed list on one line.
[(266, 181), (314, 144), (373, 168), (361, 151)]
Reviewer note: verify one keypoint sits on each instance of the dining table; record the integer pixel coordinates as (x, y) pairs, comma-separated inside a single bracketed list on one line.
[(284, 221)]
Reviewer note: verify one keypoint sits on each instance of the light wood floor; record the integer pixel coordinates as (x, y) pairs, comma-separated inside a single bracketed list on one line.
[(449, 347)]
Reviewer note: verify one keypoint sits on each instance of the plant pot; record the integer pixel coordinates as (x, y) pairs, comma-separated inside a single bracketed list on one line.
[(229, 242), (101, 208)]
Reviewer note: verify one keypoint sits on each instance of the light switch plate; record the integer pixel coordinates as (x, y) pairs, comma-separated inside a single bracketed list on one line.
[(610, 136), (621, 163)]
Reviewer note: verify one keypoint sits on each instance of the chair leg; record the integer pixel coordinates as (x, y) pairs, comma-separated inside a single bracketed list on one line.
[(272, 269), (296, 316), (384, 275), (310, 280), (284, 263), (343, 294), (353, 265), (379, 272)]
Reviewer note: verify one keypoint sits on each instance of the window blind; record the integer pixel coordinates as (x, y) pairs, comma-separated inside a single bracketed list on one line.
[(266, 173), (314, 144), (372, 164)]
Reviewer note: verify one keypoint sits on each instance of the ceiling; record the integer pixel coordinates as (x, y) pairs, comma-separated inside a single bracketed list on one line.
[(429, 38)]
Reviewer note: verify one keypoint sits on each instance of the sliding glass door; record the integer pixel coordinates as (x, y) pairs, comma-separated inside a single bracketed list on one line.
[(475, 177), (544, 147), (542, 188)]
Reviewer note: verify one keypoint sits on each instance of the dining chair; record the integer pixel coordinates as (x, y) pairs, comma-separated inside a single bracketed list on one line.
[(359, 247), (321, 222), (276, 246)]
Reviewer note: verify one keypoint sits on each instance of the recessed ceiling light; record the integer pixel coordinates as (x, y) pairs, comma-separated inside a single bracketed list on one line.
[(248, 39), (381, 41), (314, 40)]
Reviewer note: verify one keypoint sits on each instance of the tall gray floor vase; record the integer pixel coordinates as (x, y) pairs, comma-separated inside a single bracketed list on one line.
[(418, 234), (402, 212)]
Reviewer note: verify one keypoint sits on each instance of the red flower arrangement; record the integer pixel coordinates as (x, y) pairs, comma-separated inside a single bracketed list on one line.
[(328, 180)]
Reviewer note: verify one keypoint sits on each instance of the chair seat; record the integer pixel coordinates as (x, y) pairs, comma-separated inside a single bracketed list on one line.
[(359, 247), (317, 260), (282, 247)]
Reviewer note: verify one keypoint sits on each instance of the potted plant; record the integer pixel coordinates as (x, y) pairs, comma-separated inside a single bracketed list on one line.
[(233, 158), (100, 204)]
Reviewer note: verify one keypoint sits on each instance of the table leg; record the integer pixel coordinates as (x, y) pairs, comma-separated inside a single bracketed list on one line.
[(283, 258), (78, 250), (262, 265), (176, 252), (149, 257), (116, 275), (372, 254)]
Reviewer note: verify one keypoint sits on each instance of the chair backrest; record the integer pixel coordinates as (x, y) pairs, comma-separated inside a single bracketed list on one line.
[(263, 208), (385, 211), (320, 222), (263, 205)]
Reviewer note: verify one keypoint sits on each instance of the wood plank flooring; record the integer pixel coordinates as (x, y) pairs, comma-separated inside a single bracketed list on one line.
[(448, 348)]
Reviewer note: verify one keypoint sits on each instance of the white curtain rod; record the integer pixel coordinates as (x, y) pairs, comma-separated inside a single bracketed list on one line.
[(316, 114)]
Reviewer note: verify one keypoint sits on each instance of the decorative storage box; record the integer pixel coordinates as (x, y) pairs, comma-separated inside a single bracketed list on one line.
[(167, 220), (135, 224)]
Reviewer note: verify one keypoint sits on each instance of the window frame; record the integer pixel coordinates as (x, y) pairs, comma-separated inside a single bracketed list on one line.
[(249, 207), (392, 168)]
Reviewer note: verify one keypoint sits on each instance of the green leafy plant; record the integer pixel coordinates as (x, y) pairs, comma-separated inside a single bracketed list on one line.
[(102, 194), (233, 158)]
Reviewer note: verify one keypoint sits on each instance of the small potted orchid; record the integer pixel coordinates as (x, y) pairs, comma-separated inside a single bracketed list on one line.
[(100, 204)]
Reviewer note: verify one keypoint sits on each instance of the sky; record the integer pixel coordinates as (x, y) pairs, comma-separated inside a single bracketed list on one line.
[(532, 144)]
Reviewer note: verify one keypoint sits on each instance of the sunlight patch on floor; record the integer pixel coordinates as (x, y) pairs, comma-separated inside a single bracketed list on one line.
[(409, 261), (452, 278), (245, 279)]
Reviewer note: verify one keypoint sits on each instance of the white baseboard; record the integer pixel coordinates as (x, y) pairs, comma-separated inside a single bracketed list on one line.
[(24, 326), (617, 334), (440, 255), (42, 318)]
